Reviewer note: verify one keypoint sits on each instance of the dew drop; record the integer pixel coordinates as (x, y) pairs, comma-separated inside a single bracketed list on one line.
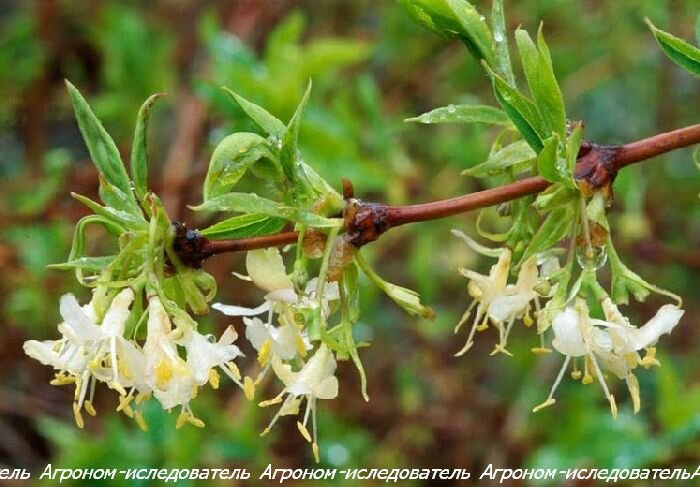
[(482, 18), (451, 108), (498, 37), (593, 261)]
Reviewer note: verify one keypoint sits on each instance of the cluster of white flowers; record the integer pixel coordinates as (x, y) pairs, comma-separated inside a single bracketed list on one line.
[(283, 346), (92, 350), (612, 344)]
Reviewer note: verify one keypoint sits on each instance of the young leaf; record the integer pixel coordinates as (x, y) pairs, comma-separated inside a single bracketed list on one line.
[(115, 216), (103, 151), (231, 159), (289, 150), (547, 160), (500, 42), (243, 226), (573, 144), (554, 228), (680, 52), (252, 203), (463, 114), (139, 153), (511, 155), (265, 120), (543, 85), (475, 33), (520, 110)]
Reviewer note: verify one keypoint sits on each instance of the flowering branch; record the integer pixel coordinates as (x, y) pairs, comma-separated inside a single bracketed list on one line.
[(596, 168)]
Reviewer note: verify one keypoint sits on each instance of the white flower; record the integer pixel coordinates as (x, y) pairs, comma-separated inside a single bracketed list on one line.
[(498, 301), (204, 356), (612, 343), (314, 381), (88, 352), (167, 374)]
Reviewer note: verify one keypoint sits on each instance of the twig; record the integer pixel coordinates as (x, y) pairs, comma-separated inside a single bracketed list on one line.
[(596, 169)]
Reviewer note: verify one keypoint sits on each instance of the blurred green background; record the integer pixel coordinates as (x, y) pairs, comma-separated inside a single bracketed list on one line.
[(371, 67)]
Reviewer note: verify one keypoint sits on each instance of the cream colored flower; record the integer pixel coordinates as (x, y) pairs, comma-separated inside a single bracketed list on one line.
[(612, 344), (315, 380), (88, 352), (204, 357), (495, 300)]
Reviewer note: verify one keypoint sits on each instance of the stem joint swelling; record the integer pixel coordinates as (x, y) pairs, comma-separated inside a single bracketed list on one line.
[(365, 222)]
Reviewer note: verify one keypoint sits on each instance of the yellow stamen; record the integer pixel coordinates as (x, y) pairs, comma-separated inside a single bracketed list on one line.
[(142, 396), (613, 406), (304, 432), (163, 374), (301, 346), (195, 421), (314, 448), (234, 370), (214, 379), (248, 388), (124, 401), (181, 420), (545, 404), (270, 402), (78, 416), (265, 431), (89, 408), (498, 348), (541, 350), (140, 421), (650, 359), (264, 353), (62, 379)]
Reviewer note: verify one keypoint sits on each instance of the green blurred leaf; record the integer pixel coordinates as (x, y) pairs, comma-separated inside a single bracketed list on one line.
[(520, 110), (463, 114), (139, 152), (678, 50), (554, 228), (103, 151), (289, 152), (94, 264), (517, 153), (231, 159), (697, 29), (268, 122), (252, 203), (554, 196), (242, 226)]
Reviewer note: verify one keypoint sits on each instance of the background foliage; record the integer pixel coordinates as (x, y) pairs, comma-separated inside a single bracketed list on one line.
[(372, 67)]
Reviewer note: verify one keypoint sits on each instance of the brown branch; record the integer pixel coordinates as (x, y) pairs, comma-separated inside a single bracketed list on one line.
[(596, 169)]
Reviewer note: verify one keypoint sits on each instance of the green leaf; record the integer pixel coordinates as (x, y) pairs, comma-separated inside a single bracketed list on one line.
[(475, 33), (116, 198), (94, 264), (266, 121), (252, 203), (408, 299), (243, 226), (680, 52), (231, 159), (542, 82), (289, 153), (119, 217), (500, 42), (463, 114), (511, 155), (103, 151), (547, 160), (697, 29), (554, 228), (554, 196), (573, 145), (520, 110), (139, 153)]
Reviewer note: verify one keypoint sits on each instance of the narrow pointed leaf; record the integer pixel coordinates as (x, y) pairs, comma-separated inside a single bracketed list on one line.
[(289, 151), (252, 203), (511, 155), (265, 120), (547, 160), (463, 114), (678, 50), (139, 152), (520, 110), (103, 151), (243, 226), (475, 32), (500, 42), (554, 228)]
